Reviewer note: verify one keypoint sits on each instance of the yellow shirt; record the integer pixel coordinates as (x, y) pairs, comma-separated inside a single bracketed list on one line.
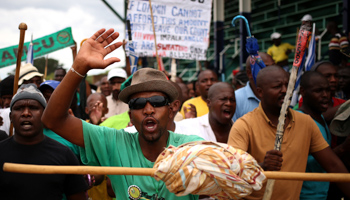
[(278, 54), (99, 192), (199, 103), (255, 134)]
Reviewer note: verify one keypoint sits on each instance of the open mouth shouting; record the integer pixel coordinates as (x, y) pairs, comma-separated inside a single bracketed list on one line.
[(149, 124), (227, 113), (26, 125)]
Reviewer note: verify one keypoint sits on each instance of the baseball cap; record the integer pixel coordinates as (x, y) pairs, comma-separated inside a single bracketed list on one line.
[(51, 83), (117, 72), (275, 35), (307, 17)]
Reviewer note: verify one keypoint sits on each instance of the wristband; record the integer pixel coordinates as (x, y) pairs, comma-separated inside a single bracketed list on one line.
[(73, 70)]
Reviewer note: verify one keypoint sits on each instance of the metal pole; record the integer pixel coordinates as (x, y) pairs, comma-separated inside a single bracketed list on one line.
[(245, 9), (115, 12), (219, 18)]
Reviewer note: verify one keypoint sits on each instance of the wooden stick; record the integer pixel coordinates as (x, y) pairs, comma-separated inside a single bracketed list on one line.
[(154, 33), (22, 28), (49, 169), (46, 60), (299, 53)]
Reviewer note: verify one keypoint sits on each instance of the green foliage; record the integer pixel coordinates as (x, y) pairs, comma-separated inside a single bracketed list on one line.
[(52, 64)]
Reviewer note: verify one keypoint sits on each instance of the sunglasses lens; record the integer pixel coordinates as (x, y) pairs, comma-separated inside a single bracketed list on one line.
[(155, 101), (137, 103), (158, 101)]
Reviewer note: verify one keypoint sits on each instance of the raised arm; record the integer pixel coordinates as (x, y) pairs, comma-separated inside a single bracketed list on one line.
[(90, 56)]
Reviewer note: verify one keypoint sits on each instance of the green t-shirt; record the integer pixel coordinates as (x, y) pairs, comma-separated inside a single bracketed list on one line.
[(110, 147), (117, 121), (63, 141)]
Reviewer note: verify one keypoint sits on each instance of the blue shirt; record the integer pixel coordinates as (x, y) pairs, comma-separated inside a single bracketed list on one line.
[(246, 101), (315, 189)]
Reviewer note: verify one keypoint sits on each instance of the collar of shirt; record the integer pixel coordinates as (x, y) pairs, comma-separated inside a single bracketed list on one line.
[(249, 92), (290, 114)]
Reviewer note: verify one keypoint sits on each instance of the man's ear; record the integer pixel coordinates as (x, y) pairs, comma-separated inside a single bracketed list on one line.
[(260, 92), (130, 116), (208, 102), (10, 116), (87, 110), (175, 106), (302, 91)]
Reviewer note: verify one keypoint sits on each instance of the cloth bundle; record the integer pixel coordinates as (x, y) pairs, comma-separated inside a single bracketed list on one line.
[(208, 168)]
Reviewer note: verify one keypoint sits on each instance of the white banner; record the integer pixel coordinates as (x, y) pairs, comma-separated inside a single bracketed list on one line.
[(182, 28)]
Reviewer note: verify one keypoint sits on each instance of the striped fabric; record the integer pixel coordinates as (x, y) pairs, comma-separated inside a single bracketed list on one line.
[(208, 168)]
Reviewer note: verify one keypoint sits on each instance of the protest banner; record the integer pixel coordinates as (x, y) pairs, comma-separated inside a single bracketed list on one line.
[(181, 27), (41, 46)]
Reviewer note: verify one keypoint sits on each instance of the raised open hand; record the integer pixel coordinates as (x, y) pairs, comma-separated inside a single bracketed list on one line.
[(91, 54)]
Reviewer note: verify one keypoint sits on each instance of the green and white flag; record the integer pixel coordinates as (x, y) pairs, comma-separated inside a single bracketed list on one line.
[(42, 46)]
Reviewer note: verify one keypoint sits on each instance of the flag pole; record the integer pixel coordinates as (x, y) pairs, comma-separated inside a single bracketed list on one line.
[(154, 33)]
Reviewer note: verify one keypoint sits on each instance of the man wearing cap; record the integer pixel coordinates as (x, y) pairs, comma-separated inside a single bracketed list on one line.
[(30, 74), (30, 146), (280, 51), (115, 106), (148, 97)]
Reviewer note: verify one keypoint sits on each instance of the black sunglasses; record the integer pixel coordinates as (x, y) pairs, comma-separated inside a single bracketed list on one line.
[(155, 101)]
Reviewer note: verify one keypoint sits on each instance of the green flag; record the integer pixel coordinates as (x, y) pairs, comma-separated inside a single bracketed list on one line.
[(42, 46)]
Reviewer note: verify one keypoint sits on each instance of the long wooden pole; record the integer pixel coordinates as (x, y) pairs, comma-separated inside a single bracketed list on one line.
[(46, 62), (49, 169), (22, 28), (154, 33)]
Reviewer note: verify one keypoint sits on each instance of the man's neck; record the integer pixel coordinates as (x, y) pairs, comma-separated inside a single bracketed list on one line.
[(204, 98), (253, 88), (221, 131), (151, 150), (29, 141), (273, 115), (314, 114)]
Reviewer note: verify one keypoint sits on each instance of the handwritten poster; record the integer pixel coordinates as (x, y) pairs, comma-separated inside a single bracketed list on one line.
[(182, 28)]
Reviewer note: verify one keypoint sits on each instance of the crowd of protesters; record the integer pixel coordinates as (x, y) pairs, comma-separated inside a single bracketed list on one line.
[(131, 119)]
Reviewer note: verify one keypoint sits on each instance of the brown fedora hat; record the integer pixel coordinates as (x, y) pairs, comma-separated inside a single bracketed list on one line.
[(149, 80)]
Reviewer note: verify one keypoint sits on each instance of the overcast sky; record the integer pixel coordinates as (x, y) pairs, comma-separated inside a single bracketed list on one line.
[(44, 17)]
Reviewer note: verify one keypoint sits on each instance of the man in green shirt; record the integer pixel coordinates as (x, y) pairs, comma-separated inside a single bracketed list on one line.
[(148, 96)]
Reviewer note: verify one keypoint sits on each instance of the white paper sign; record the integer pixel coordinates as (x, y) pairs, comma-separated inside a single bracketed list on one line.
[(181, 26)]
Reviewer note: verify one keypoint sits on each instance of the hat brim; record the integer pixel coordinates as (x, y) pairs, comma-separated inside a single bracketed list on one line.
[(29, 76), (149, 86)]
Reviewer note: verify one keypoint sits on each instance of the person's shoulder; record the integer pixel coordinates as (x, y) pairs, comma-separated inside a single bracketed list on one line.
[(253, 115), (338, 101), (178, 139), (242, 92), (194, 99), (300, 116), (54, 143)]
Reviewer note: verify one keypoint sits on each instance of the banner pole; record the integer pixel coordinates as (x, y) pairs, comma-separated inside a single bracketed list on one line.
[(154, 33)]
